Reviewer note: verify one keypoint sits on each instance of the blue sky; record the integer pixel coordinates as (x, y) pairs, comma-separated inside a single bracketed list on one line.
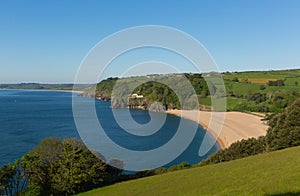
[(45, 41)]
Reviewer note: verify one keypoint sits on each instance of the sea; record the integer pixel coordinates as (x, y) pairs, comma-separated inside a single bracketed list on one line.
[(29, 116)]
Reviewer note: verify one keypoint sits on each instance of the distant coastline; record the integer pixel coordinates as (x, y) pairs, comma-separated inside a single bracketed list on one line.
[(69, 91), (38, 86)]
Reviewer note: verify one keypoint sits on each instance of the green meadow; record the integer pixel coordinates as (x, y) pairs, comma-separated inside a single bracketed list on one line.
[(252, 91), (274, 173)]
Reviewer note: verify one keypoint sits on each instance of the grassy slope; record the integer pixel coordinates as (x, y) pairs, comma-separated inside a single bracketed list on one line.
[(273, 173)]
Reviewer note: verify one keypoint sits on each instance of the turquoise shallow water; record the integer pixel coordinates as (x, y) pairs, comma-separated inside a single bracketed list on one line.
[(26, 117)]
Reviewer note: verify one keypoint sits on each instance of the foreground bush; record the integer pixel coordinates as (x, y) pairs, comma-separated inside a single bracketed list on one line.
[(238, 150), (57, 167), (284, 129)]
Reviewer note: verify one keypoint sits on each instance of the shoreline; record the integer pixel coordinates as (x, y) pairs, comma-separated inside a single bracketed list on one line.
[(55, 90), (235, 126), (68, 91)]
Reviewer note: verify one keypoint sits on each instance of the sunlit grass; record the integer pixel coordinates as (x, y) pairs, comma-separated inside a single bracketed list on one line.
[(267, 174)]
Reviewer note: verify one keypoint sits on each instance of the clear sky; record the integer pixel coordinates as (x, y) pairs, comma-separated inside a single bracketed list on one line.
[(45, 41)]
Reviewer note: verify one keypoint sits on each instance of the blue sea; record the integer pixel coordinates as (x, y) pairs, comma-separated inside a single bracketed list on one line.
[(27, 117)]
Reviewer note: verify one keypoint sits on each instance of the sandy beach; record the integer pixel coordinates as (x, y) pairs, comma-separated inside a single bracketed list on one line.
[(226, 127)]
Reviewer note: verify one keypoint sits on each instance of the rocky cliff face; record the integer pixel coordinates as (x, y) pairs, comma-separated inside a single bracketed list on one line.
[(138, 104), (100, 96), (156, 107)]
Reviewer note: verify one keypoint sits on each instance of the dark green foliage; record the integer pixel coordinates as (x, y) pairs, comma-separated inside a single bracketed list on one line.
[(77, 170), (153, 172), (262, 87), (235, 79), (173, 91), (276, 83), (284, 129), (105, 87), (183, 165), (157, 92), (238, 150), (257, 97), (251, 107), (145, 173), (12, 179), (198, 83), (64, 167)]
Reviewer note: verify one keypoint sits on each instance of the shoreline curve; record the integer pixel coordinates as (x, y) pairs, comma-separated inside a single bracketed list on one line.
[(236, 125)]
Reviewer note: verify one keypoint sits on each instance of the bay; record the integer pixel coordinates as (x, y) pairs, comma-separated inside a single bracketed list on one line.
[(27, 117)]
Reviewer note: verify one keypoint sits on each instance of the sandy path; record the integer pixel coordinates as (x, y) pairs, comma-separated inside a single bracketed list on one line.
[(226, 127)]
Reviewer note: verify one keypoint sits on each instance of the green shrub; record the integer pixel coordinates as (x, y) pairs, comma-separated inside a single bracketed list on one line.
[(284, 129)]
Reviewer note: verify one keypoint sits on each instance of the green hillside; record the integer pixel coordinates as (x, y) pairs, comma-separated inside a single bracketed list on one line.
[(38, 86), (256, 91), (275, 173), (262, 91)]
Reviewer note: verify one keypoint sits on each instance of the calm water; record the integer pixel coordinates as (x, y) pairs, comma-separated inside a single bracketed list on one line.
[(26, 117)]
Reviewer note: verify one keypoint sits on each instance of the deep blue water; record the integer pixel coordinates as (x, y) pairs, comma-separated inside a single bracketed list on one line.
[(27, 117)]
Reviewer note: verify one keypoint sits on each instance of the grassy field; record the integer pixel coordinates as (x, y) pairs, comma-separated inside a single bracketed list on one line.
[(275, 173), (274, 74), (230, 101), (256, 82)]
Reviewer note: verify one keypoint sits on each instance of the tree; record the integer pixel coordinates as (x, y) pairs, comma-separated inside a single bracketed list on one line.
[(77, 169), (262, 87), (284, 128), (65, 167), (296, 83), (235, 79), (180, 166), (39, 164), (276, 83), (12, 179), (237, 150)]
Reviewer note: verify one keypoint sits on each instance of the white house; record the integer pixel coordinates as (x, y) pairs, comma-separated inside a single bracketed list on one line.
[(134, 95)]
